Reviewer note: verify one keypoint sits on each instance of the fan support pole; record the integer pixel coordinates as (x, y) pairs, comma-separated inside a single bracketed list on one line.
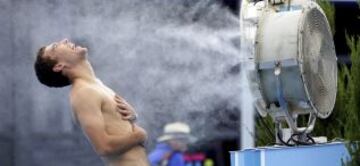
[(281, 114)]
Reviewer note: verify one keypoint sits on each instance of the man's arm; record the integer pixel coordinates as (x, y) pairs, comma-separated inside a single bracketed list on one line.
[(87, 106)]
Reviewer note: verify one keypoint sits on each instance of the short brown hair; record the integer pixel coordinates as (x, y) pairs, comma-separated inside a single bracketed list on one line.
[(45, 74)]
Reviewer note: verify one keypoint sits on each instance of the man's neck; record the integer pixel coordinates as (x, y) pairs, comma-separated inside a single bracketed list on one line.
[(82, 72)]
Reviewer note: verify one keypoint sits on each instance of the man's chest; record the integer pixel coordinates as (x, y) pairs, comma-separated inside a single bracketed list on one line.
[(108, 104), (112, 118)]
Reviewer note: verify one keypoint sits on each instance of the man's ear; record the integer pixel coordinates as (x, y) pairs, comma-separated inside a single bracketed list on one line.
[(58, 67)]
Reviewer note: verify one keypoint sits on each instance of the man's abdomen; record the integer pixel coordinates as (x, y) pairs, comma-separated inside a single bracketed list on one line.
[(134, 157)]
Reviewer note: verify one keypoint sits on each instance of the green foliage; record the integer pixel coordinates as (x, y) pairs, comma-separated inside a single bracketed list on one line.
[(352, 108), (354, 151), (265, 130), (345, 120)]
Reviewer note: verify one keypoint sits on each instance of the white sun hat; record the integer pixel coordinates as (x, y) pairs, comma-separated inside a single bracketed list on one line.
[(176, 130)]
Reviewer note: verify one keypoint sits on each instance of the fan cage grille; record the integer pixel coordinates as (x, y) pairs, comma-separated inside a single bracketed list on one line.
[(319, 62)]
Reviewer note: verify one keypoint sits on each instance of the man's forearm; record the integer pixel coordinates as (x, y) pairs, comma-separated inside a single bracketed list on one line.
[(120, 144)]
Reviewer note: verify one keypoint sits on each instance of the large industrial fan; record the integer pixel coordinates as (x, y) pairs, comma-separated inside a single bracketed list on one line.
[(295, 65)]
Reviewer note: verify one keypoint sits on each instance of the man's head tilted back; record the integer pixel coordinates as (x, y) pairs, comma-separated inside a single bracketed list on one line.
[(55, 61)]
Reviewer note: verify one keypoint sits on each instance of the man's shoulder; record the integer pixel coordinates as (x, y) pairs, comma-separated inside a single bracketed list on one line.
[(84, 93)]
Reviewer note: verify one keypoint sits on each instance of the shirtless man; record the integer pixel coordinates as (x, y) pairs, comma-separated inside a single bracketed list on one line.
[(106, 118)]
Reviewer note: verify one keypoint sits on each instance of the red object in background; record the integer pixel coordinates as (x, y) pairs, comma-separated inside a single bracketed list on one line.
[(190, 157)]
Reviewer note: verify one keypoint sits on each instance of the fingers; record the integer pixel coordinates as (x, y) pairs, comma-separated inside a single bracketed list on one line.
[(125, 109), (126, 115), (124, 112), (122, 106), (120, 99), (128, 118)]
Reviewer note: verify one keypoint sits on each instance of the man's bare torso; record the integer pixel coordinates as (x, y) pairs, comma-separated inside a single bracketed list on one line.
[(115, 125)]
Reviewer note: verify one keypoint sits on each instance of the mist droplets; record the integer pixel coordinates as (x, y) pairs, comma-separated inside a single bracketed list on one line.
[(173, 60)]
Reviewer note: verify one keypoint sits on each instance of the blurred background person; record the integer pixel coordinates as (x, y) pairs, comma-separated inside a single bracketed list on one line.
[(171, 146)]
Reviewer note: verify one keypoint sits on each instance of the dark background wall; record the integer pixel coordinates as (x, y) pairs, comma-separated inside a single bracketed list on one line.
[(346, 22)]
